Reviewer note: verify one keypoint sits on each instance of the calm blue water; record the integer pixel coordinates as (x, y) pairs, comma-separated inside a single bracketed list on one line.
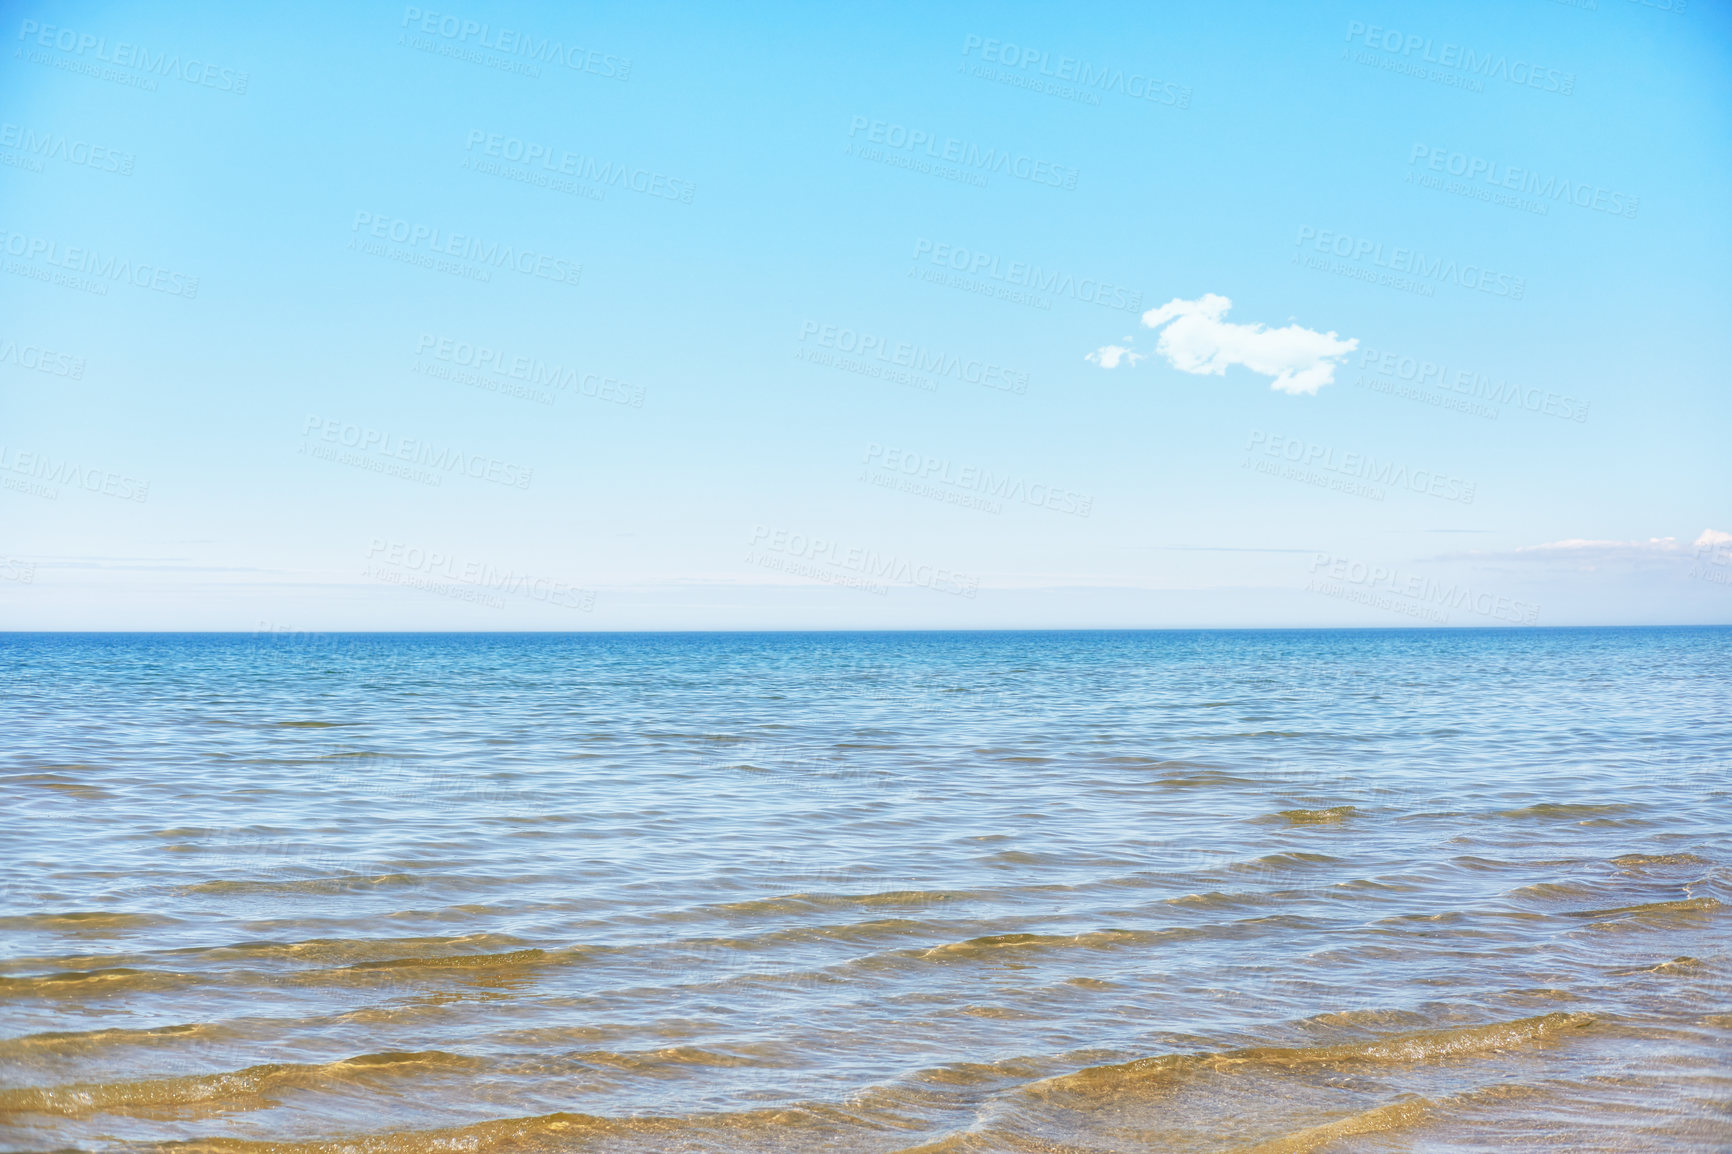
[(1355, 890)]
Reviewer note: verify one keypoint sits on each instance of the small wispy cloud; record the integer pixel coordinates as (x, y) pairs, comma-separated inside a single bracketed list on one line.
[(1111, 356), (1588, 552), (1198, 339), (1586, 547), (1708, 539)]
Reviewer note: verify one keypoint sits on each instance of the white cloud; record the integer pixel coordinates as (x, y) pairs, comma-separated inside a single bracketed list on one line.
[(1584, 552), (1109, 356), (1197, 340), (1582, 547)]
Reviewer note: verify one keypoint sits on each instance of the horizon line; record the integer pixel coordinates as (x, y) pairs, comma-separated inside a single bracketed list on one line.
[(727, 632)]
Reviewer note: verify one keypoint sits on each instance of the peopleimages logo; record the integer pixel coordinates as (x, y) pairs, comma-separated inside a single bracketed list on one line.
[(88, 270), (1498, 175), (1412, 264), (1359, 467), (436, 565), (563, 162), (41, 146), (1380, 582), (836, 563), (926, 144), (531, 371), (42, 467), (1414, 50), (1086, 77), (914, 357), (1473, 383), (40, 359), (971, 263), (388, 447), (428, 242), (1713, 557), (926, 472), (511, 42), (80, 48)]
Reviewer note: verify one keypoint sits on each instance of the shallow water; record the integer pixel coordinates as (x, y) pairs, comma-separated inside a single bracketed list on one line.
[(1284, 891)]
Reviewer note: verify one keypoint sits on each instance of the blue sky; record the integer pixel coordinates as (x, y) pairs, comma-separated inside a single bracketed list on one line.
[(640, 317)]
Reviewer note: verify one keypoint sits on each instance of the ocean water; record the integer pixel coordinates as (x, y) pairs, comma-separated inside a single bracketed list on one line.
[(1172, 891)]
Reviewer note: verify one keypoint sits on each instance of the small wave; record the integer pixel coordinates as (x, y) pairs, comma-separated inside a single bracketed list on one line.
[(49, 771), (1217, 900), (235, 1089), (80, 921), (333, 883), (1651, 914), (103, 1097), (1208, 780), (658, 1061), (1482, 864), (356, 951), (83, 983), (509, 962), (1135, 762), (999, 944), (1644, 861), (1564, 811), (1395, 1115), (1420, 1046), (792, 1129), (1557, 891), (75, 785), (1678, 965), (1330, 816), (1024, 857), (1283, 862), (74, 1041), (805, 902), (401, 1058), (79, 789)]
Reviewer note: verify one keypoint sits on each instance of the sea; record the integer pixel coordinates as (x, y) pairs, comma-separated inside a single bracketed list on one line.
[(1272, 891)]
